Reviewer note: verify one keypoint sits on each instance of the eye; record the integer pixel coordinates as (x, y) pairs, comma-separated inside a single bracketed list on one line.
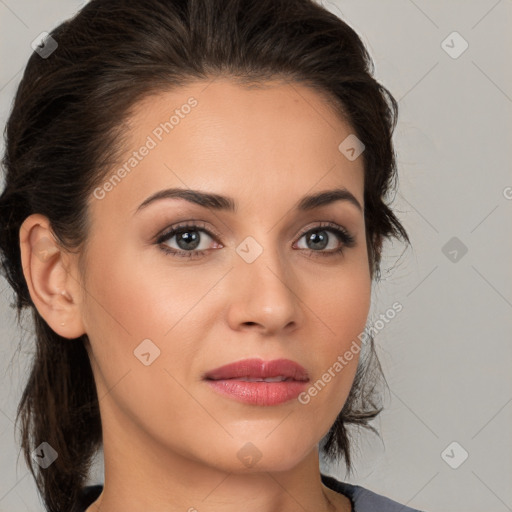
[(194, 240), (327, 236), (191, 240)]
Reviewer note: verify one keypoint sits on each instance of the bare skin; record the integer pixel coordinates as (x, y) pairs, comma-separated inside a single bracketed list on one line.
[(171, 442)]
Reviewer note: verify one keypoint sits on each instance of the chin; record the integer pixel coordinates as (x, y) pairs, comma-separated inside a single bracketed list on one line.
[(280, 453)]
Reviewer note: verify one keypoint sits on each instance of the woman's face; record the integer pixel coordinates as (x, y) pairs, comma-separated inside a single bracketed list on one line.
[(262, 280)]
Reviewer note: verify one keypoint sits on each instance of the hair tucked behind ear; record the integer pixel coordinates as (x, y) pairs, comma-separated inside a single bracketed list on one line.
[(64, 134)]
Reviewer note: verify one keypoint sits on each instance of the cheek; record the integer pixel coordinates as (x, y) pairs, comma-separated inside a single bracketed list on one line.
[(341, 303), (130, 299), (350, 310), (136, 296), (130, 317), (342, 306)]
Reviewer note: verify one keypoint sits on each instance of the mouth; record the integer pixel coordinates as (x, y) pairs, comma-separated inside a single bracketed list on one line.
[(257, 370), (259, 382), (279, 378)]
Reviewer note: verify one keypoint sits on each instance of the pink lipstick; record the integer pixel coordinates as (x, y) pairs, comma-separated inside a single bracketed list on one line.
[(259, 382)]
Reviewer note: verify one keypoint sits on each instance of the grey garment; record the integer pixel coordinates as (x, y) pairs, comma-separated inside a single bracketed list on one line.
[(88, 496), (364, 500)]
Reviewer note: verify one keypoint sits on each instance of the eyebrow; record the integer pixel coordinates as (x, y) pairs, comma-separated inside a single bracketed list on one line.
[(219, 202)]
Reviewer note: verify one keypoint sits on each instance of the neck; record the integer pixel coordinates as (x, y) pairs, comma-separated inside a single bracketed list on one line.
[(141, 474)]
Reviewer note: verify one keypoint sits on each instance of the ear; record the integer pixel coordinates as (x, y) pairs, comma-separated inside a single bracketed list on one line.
[(52, 277)]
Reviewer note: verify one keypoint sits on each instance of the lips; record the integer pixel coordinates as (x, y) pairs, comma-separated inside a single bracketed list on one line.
[(258, 382), (258, 370)]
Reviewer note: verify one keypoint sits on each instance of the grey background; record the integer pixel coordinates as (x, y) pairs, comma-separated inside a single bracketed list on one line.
[(447, 355)]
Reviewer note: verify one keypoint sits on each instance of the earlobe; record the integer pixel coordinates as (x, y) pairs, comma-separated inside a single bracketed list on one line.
[(54, 290)]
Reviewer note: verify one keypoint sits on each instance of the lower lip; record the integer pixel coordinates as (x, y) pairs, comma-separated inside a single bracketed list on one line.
[(260, 392)]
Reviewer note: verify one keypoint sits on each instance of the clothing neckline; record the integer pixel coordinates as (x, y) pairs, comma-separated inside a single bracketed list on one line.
[(347, 490), (90, 493)]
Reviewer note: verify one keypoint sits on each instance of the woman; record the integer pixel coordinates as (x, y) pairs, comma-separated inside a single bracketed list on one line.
[(194, 211)]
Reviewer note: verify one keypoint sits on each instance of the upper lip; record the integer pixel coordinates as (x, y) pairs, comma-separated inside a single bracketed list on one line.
[(258, 368)]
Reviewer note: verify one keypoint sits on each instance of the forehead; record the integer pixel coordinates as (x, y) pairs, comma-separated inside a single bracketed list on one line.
[(275, 143)]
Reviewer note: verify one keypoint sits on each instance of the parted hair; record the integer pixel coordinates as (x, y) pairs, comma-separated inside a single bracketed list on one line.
[(64, 133)]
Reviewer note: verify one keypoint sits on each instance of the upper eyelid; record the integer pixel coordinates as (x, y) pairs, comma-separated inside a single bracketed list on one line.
[(323, 224), (199, 225)]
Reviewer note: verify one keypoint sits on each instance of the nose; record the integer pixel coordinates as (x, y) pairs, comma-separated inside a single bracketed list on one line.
[(265, 294)]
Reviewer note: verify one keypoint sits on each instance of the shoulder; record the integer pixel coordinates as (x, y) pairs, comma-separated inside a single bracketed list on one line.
[(364, 500)]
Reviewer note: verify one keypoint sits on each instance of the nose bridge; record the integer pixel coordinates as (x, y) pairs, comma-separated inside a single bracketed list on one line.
[(265, 284), (259, 255)]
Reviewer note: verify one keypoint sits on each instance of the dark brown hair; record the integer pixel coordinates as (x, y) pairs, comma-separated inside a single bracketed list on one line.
[(65, 132)]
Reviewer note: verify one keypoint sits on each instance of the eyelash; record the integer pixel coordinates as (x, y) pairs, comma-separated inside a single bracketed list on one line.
[(346, 238)]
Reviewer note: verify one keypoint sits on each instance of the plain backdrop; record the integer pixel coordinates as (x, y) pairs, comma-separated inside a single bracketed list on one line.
[(445, 440)]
